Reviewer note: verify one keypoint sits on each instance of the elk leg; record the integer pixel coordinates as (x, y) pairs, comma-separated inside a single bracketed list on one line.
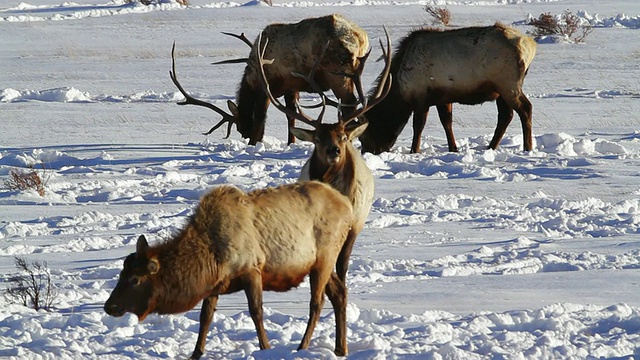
[(445, 113), (252, 283), (419, 121), (337, 293), (206, 315), (524, 112), (342, 265), (318, 279), (290, 100), (505, 115)]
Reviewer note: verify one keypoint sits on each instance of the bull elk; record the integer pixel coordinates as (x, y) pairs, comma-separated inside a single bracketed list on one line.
[(335, 160), (467, 66), (268, 239), (297, 46)]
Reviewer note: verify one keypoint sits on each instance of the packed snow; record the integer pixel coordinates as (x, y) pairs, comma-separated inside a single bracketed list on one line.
[(480, 254)]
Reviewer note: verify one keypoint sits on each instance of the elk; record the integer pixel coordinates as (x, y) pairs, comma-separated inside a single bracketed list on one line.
[(297, 46), (267, 239), (467, 66), (335, 160)]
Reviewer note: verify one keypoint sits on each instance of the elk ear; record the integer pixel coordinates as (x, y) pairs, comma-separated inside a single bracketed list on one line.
[(153, 266), (142, 246), (302, 134), (356, 130), (233, 108)]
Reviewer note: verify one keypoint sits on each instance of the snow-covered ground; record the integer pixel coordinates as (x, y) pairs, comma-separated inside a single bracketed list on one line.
[(479, 254)]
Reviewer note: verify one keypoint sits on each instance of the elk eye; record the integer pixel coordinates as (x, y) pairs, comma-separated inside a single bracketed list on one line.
[(344, 138), (135, 280)]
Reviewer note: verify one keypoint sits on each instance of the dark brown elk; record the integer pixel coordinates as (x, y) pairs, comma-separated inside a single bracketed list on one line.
[(437, 68), (335, 160), (297, 47), (268, 239)]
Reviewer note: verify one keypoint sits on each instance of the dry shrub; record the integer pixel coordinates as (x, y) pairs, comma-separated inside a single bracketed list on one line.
[(32, 286), (567, 24), (149, 2), (439, 14), (25, 179)]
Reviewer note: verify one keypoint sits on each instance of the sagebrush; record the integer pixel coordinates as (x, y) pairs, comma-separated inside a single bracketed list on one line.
[(32, 286), (20, 179), (566, 24)]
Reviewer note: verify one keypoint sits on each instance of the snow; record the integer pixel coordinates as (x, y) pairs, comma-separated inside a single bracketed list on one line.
[(481, 254)]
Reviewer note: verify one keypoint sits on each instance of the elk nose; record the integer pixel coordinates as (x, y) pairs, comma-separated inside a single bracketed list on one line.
[(333, 151), (113, 309)]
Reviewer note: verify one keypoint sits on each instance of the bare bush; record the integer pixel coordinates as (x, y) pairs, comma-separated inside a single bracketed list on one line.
[(32, 287), (26, 179), (566, 24), (439, 14)]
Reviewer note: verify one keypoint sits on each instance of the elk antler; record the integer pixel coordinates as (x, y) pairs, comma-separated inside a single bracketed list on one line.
[(235, 61), (384, 82), (298, 115), (190, 100)]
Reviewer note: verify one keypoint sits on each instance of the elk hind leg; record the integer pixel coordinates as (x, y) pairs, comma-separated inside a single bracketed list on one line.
[(318, 279), (445, 113), (505, 115), (337, 293), (252, 283), (206, 315)]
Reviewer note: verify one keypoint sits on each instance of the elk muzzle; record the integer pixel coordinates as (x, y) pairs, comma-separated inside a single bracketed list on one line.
[(333, 154)]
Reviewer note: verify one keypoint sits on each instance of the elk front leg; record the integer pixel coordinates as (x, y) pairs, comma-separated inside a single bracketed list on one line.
[(318, 279), (342, 265), (252, 283), (524, 112), (445, 113), (419, 121), (337, 293), (290, 100), (505, 115), (206, 315)]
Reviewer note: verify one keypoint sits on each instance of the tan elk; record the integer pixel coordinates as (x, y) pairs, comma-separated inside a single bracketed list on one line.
[(297, 47), (433, 67), (268, 239), (335, 160)]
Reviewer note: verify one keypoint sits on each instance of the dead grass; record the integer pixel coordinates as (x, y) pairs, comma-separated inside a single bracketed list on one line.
[(440, 15)]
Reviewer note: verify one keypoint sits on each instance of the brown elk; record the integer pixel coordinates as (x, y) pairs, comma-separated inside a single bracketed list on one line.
[(268, 239), (297, 46), (335, 160), (467, 66)]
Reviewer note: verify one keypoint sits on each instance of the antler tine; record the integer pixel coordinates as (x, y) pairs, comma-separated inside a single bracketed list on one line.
[(384, 83), (240, 60), (190, 100), (241, 37), (298, 115), (231, 61)]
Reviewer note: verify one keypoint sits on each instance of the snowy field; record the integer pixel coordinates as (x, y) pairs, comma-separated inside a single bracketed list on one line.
[(479, 254)]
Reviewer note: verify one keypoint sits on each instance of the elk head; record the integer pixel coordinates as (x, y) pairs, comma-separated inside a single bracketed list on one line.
[(331, 140), (134, 290)]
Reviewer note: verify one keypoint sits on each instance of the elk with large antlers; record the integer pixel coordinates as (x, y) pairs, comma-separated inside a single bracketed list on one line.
[(432, 67), (335, 160), (267, 239), (298, 47)]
